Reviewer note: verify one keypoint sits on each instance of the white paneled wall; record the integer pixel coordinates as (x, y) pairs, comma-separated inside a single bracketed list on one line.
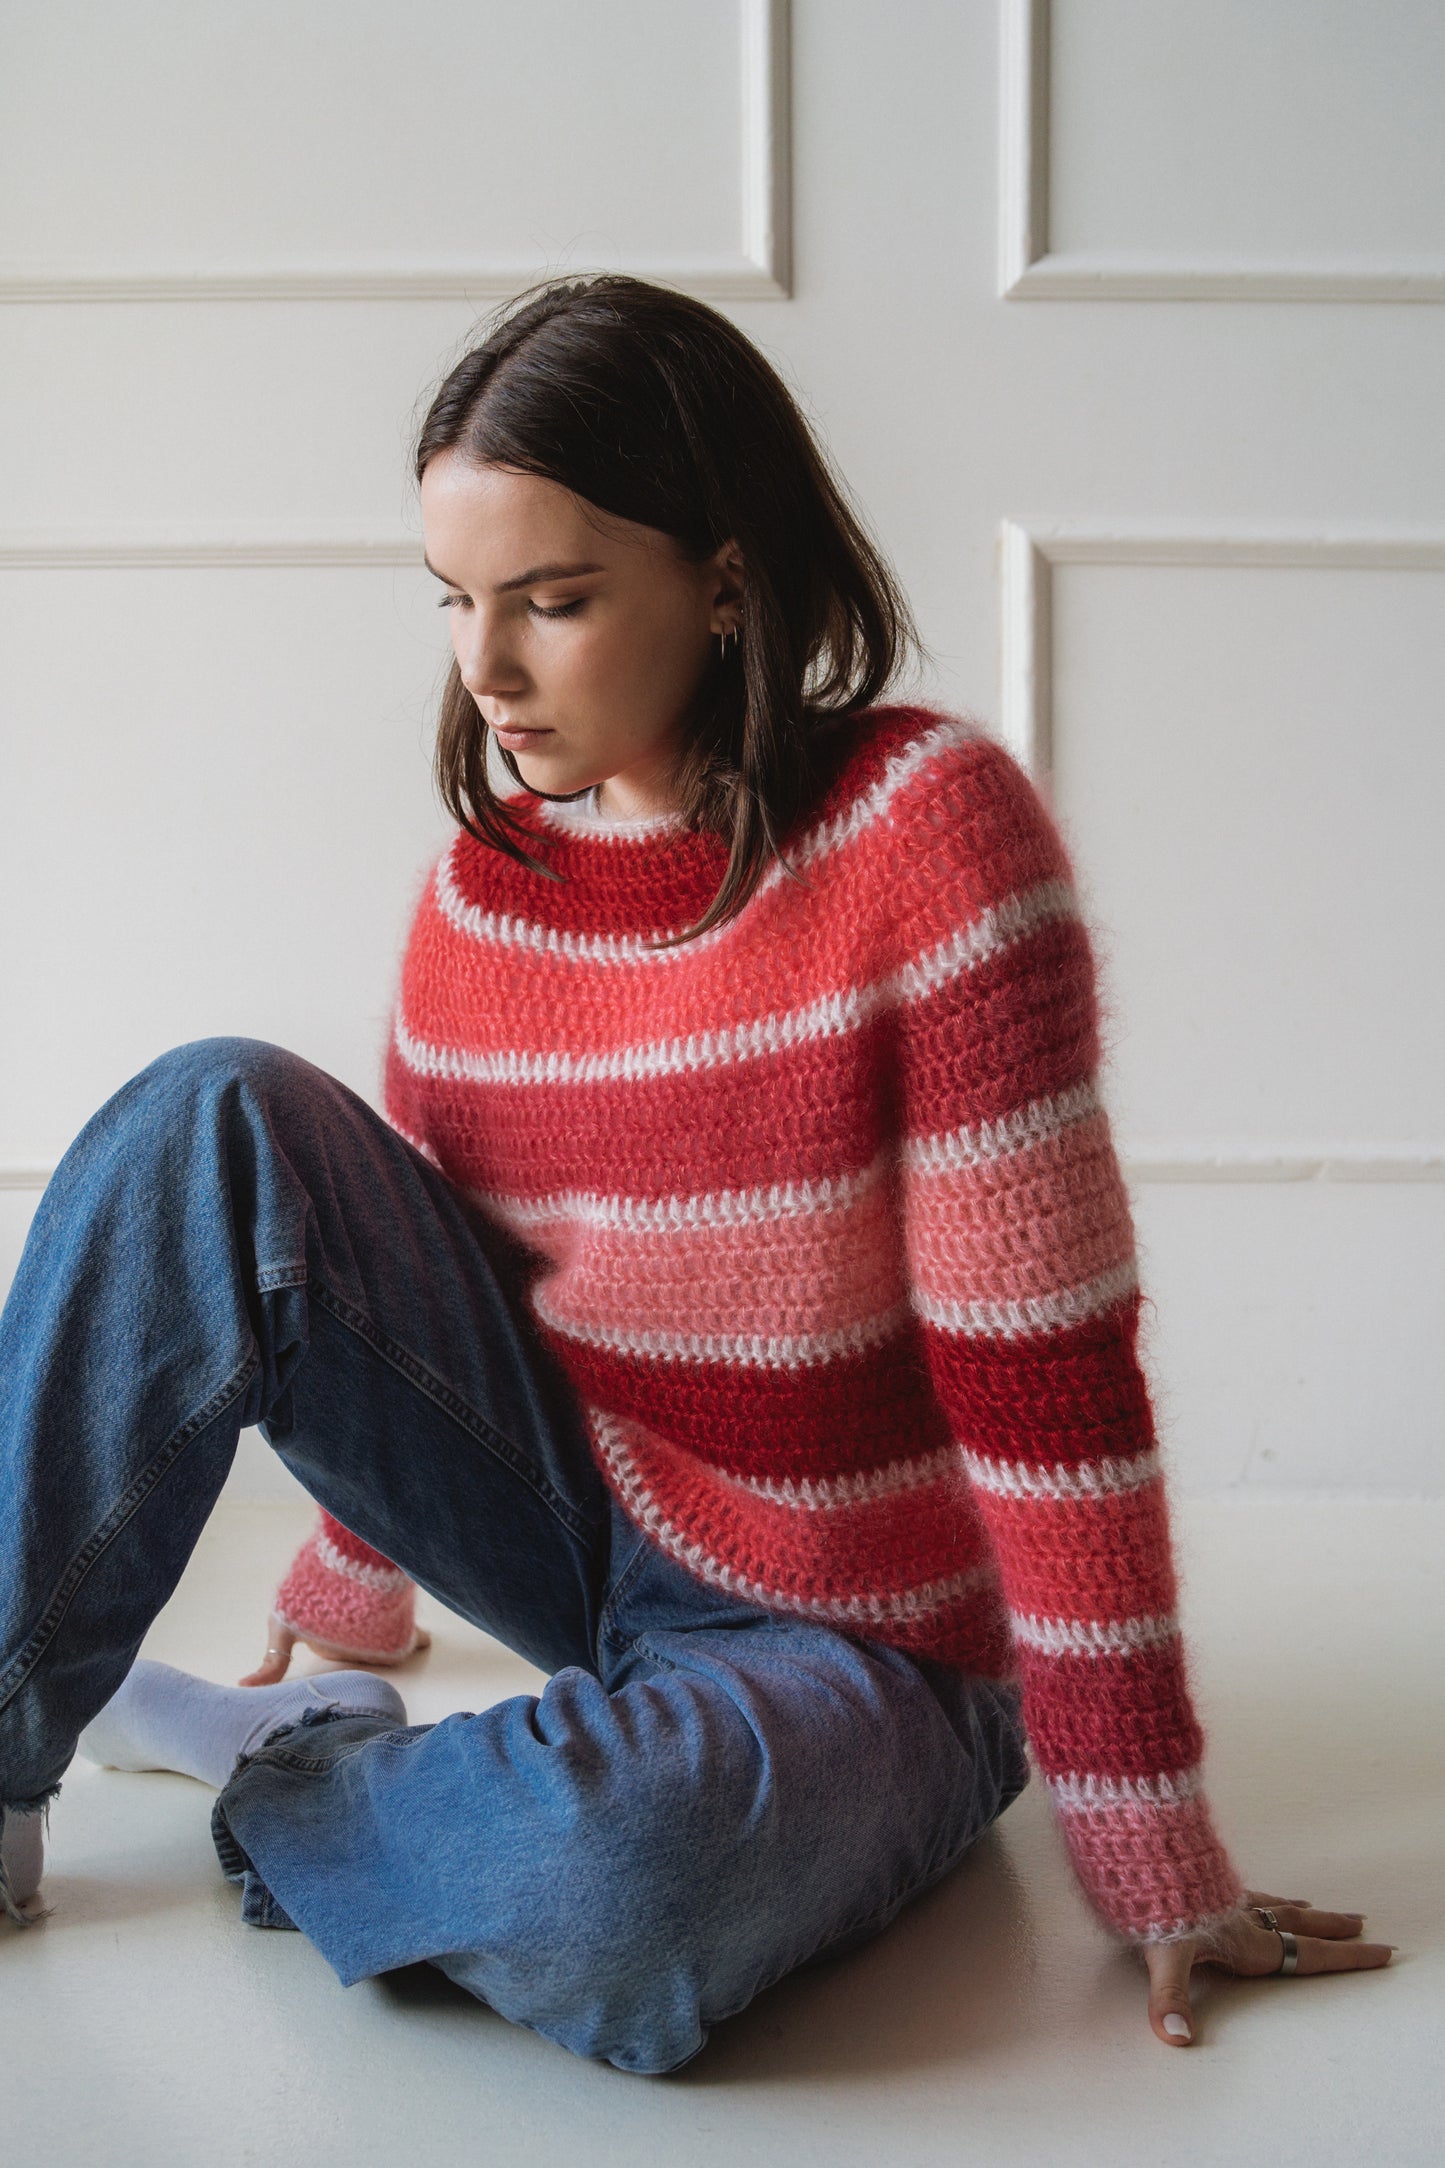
[(379, 150), (1123, 318)]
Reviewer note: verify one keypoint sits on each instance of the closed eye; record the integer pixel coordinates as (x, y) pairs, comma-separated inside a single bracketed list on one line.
[(566, 609)]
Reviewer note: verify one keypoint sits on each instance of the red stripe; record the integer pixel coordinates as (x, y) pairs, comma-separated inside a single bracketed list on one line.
[(1066, 1397), (717, 1127), (1111, 1554), (1020, 1027), (852, 1413), (1110, 1716)]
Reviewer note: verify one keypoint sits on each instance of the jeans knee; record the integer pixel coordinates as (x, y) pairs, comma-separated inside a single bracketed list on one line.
[(203, 1079), (199, 1066)]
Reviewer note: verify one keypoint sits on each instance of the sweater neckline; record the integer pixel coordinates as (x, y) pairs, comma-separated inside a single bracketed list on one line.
[(584, 817)]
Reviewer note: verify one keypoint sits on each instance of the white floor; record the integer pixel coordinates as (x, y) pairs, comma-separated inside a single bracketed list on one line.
[(142, 2024)]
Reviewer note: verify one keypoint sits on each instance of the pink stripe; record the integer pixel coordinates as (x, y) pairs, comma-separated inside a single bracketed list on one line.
[(809, 1272), (1152, 1872), (1026, 1225)]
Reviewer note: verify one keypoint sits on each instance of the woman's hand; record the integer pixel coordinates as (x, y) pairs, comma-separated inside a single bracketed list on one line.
[(1242, 1945), (282, 1639)]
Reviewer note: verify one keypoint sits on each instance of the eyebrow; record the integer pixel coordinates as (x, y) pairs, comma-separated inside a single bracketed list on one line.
[(532, 577)]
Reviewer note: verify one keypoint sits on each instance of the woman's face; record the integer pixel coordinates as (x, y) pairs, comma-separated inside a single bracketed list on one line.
[(563, 619)]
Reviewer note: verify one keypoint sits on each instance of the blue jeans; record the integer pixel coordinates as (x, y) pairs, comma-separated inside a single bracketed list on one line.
[(705, 1794)]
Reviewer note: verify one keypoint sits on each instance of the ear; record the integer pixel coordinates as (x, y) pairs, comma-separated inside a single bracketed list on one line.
[(729, 574)]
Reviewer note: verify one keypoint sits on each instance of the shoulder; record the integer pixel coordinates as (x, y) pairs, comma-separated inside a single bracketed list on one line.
[(952, 797)]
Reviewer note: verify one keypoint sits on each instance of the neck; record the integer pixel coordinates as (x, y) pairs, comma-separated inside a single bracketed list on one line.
[(630, 805)]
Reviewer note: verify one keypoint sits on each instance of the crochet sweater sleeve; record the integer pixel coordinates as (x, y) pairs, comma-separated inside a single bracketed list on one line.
[(337, 1589), (1021, 1260)]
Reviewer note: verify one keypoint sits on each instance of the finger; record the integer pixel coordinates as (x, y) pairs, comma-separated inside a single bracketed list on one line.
[(1170, 2014), (1303, 1918), (1319, 1955), (1306, 1920), (280, 1641)]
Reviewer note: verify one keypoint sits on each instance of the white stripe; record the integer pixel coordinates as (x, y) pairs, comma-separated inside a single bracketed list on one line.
[(1039, 1313), (995, 929), (773, 1351), (696, 1213), (1101, 1479), (829, 1016), (1092, 1637), (1103, 1795), (949, 736), (583, 818), (907, 1604), (385, 1580), (1037, 1123), (1205, 1923), (814, 1495)]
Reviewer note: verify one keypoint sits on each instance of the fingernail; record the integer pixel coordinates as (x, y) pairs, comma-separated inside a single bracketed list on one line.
[(1178, 2026)]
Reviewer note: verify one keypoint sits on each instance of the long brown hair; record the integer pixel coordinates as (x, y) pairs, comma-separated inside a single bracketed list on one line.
[(653, 407)]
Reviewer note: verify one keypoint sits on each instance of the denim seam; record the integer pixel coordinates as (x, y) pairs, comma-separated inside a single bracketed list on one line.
[(451, 1403), (607, 1628), (654, 1655), (26, 1658)]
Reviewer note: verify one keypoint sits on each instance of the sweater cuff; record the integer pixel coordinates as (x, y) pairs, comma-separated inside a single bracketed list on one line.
[(1146, 1854), (339, 1590)]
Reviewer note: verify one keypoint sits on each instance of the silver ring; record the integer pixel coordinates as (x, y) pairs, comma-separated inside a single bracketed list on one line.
[(1290, 1960), (1265, 1916)]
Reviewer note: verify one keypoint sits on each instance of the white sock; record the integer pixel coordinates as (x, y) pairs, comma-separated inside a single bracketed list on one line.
[(162, 1718), (22, 1853)]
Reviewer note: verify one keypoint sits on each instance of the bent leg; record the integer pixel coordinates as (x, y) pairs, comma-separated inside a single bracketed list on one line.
[(623, 1860), (235, 1238)]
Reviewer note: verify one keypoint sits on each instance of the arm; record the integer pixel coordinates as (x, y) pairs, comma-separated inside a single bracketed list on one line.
[(1020, 1251)]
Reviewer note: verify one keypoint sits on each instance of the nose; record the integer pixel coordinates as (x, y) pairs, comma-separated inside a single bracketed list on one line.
[(483, 662)]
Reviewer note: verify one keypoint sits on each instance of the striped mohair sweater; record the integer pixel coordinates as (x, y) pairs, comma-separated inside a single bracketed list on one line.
[(831, 1238)]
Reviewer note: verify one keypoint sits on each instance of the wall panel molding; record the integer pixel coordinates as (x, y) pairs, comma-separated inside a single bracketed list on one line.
[(1028, 552), (24, 1174), (760, 271), (1027, 555), (122, 547), (1342, 1163), (1029, 270)]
